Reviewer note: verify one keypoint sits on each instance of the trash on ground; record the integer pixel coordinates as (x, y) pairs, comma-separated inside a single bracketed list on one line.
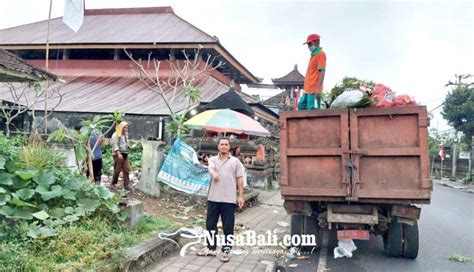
[(283, 224), (292, 265), (279, 231), (344, 249), (292, 253), (180, 217), (459, 258), (237, 252)]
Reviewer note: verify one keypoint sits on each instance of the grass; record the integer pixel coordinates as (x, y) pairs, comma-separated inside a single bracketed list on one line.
[(93, 244)]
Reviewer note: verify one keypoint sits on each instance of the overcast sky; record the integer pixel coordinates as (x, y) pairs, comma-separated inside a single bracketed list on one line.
[(414, 47)]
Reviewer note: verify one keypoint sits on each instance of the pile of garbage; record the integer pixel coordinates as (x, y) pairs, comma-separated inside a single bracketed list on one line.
[(372, 95)]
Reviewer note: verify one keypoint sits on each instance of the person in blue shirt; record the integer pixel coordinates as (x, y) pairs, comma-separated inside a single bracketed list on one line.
[(94, 143)]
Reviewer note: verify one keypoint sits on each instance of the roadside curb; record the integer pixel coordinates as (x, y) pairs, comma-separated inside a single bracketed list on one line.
[(151, 250), (458, 187)]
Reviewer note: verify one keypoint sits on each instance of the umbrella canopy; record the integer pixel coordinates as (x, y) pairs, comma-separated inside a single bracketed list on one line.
[(226, 120)]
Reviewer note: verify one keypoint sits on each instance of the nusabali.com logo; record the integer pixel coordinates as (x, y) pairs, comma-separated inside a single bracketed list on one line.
[(248, 238)]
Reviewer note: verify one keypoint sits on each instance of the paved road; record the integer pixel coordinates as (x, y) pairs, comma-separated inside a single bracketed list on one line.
[(446, 228)]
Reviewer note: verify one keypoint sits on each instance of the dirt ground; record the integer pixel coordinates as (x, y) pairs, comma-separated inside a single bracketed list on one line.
[(178, 207)]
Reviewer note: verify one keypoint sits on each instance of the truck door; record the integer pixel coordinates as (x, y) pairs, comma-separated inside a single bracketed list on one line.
[(389, 153), (314, 152)]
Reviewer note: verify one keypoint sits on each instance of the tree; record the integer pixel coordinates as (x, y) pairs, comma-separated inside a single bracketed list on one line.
[(23, 97), (458, 107), (183, 75), (101, 125)]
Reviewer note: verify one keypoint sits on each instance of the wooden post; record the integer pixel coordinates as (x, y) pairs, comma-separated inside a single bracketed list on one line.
[(65, 54), (47, 69), (116, 54)]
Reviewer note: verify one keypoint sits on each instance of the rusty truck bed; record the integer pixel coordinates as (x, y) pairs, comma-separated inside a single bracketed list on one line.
[(361, 155)]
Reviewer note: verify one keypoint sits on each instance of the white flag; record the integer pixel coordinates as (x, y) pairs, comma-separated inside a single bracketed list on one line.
[(73, 14)]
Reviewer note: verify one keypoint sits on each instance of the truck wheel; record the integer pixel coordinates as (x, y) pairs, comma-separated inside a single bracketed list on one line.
[(302, 224), (394, 240), (297, 221), (410, 240)]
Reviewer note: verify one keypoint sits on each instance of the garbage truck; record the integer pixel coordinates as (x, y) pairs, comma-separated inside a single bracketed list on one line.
[(357, 172)]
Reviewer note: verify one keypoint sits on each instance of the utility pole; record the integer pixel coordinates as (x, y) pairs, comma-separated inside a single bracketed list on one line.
[(471, 159), (454, 161)]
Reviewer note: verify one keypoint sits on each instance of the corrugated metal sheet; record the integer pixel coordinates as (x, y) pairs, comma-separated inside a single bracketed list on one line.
[(105, 94), (134, 25)]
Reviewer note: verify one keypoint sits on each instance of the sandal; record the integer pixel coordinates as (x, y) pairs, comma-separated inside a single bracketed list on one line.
[(225, 257), (207, 252)]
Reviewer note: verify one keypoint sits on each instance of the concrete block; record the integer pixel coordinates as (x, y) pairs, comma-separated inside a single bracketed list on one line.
[(152, 157)]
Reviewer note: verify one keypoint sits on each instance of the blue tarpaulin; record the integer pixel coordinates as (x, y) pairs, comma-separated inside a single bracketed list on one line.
[(182, 171)]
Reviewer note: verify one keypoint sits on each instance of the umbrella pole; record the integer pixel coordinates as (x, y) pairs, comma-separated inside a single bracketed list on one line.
[(200, 142)]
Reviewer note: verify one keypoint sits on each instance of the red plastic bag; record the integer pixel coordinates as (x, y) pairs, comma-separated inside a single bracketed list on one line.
[(383, 95), (403, 101)]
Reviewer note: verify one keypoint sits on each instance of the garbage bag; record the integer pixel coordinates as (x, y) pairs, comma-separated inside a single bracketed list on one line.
[(344, 249), (383, 95), (403, 101), (346, 98)]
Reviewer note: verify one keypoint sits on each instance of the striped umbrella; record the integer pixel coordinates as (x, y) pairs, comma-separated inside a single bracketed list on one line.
[(226, 120)]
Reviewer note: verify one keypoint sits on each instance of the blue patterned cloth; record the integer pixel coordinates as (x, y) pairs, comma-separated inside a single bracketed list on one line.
[(182, 171)]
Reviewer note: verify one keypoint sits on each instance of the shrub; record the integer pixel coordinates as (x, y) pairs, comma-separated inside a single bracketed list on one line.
[(37, 193), (95, 243)]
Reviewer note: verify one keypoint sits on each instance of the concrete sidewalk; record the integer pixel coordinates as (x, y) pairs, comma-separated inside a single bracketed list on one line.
[(260, 218), (456, 185)]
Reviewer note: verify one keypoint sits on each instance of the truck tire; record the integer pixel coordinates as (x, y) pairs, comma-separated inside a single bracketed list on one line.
[(303, 224), (393, 243), (410, 240)]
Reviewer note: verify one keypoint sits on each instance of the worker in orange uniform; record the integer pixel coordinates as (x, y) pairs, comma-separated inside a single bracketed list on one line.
[(313, 82)]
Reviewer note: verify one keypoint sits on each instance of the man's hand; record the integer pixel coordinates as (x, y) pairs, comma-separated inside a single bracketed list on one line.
[(240, 202), (119, 156), (215, 177)]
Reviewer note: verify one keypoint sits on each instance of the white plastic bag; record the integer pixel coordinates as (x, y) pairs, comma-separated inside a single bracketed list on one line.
[(347, 98), (344, 249)]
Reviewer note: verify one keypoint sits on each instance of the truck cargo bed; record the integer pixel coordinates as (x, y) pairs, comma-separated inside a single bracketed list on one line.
[(358, 155)]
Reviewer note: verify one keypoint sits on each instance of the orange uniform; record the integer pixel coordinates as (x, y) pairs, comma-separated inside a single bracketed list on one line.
[(317, 64)]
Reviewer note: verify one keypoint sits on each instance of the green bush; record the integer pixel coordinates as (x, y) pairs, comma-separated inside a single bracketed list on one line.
[(52, 219), (38, 193), (39, 156), (94, 243)]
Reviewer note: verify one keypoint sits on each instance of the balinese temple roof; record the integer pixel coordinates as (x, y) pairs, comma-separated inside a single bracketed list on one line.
[(292, 79), (13, 69)]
